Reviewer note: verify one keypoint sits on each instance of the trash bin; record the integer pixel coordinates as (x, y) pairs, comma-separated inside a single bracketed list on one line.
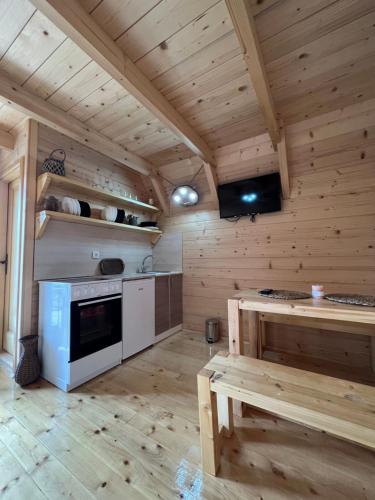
[(212, 330)]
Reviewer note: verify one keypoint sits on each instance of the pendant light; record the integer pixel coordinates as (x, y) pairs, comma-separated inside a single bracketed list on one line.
[(184, 195)]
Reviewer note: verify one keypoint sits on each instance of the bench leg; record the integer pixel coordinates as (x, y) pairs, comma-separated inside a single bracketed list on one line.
[(208, 421), (225, 414)]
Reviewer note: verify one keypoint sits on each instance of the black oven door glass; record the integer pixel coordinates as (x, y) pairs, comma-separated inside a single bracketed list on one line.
[(95, 325)]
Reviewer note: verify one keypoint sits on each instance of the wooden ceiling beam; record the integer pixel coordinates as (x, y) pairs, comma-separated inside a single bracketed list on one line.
[(283, 165), (212, 181), (160, 194), (6, 140), (48, 114), (71, 18), (244, 25)]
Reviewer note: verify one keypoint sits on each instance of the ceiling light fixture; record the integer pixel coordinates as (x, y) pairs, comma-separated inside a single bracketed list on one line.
[(185, 196)]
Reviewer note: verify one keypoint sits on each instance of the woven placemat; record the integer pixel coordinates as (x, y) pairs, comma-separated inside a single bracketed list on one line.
[(284, 294), (352, 299)]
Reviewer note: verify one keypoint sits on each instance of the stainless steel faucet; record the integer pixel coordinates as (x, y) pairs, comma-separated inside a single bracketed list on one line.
[(143, 267)]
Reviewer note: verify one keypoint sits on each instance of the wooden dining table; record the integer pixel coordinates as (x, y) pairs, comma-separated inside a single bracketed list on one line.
[(319, 313)]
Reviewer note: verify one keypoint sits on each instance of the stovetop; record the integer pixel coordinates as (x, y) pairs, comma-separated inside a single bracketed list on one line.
[(123, 277), (87, 279)]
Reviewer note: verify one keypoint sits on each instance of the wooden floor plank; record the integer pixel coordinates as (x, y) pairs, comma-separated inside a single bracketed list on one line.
[(134, 432)]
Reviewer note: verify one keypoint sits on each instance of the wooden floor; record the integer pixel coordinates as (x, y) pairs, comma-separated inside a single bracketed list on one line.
[(133, 433)]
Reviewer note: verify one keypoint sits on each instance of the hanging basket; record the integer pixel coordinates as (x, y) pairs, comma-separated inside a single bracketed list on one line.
[(55, 165)]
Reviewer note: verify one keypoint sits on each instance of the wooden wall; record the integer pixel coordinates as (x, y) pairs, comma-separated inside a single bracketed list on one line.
[(65, 249), (324, 234)]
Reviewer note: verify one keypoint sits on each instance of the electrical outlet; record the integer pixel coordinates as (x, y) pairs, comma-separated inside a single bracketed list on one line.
[(95, 254)]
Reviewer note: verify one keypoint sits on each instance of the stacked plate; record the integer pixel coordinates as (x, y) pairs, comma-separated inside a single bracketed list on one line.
[(76, 207), (113, 214), (71, 206)]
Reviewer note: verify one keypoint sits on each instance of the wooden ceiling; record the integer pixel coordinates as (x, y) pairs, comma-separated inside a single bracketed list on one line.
[(318, 54)]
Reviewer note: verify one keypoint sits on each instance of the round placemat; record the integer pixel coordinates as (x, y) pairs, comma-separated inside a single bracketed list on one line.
[(285, 294), (352, 299)]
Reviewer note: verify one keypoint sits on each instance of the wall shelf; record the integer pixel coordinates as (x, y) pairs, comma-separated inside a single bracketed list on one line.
[(47, 181), (43, 218)]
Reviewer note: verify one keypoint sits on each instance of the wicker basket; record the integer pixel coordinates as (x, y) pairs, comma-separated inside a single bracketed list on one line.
[(55, 165), (28, 368)]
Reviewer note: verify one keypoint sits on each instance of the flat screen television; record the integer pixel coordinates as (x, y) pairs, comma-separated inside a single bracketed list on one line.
[(254, 196)]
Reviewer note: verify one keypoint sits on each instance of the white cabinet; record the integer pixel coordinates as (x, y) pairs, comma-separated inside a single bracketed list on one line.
[(138, 316)]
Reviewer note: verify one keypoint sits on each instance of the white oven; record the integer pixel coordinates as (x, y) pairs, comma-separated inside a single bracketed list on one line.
[(80, 329)]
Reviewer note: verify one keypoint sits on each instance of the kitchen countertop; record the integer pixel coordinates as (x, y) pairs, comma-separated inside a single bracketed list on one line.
[(100, 277), (140, 276)]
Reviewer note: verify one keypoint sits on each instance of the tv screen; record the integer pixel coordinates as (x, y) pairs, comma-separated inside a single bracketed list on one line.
[(250, 197)]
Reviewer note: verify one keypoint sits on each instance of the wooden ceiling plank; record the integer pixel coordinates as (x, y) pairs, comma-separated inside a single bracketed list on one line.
[(78, 25), (244, 25), (6, 140), (50, 115)]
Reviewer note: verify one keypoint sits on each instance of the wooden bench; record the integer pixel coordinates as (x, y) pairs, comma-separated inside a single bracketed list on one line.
[(341, 408)]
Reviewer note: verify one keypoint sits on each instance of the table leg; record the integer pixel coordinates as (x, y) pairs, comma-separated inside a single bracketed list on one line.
[(225, 414), (253, 334), (372, 351), (261, 336), (235, 328), (208, 422), (236, 345)]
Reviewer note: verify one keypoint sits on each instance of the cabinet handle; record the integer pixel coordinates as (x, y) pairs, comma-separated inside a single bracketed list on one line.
[(140, 289)]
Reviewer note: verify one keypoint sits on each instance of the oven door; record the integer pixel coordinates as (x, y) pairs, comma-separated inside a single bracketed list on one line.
[(95, 325)]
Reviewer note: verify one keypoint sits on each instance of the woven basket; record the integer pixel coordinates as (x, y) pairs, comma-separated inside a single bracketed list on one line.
[(352, 299), (285, 295), (55, 165), (28, 368)]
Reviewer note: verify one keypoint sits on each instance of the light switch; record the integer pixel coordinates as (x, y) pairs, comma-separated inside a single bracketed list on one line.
[(95, 254)]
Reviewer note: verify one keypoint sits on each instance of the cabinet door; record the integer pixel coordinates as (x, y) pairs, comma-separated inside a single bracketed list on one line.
[(162, 313), (138, 306), (176, 299)]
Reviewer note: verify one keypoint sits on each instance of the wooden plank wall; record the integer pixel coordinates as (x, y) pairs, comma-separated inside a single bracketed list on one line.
[(324, 234), (98, 171)]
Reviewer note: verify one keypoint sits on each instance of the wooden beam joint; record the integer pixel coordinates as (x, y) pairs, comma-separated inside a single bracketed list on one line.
[(6, 140)]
